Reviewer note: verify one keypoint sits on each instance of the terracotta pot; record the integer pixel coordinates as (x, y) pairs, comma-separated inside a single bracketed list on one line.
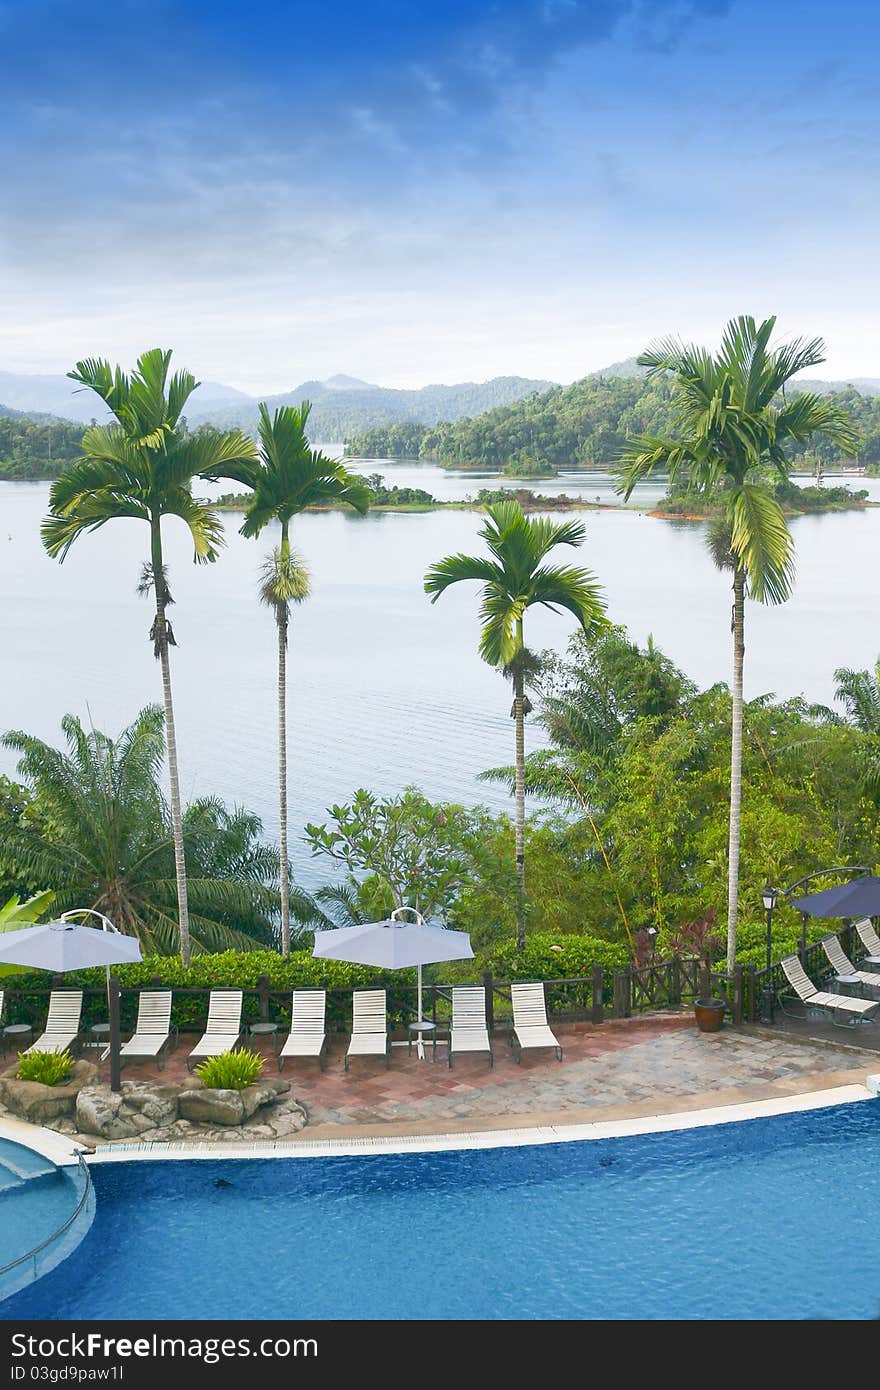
[(709, 1014)]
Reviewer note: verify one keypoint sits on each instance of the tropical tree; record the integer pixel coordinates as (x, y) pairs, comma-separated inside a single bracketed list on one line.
[(15, 914), (859, 693), (514, 579), (733, 423), (104, 839), (288, 477), (143, 466)]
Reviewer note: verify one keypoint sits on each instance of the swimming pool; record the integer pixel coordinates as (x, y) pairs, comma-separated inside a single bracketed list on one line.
[(769, 1218), (44, 1209)]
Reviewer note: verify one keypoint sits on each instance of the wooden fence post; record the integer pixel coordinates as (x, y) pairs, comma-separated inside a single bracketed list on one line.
[(263, 987), (490, 999), (737, 991), (675, 984), (621, 994), (752, 993), (598, 994), (155, 981)]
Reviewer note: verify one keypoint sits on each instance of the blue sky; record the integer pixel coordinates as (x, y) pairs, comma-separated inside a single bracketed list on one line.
[(415, 192)]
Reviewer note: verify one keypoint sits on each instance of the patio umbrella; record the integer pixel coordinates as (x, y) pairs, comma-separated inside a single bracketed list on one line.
[(62, 946), (858, 898), (395, 945)]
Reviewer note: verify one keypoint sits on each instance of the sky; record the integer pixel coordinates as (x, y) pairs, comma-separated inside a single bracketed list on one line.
[(415, 192)]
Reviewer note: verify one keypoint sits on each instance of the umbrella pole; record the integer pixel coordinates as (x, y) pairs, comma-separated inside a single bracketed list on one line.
[(421, 1046), (113, 1011)]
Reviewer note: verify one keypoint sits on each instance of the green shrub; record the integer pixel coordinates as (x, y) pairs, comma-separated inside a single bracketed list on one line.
[(231, 1071), (49, 1068), (548, 957)]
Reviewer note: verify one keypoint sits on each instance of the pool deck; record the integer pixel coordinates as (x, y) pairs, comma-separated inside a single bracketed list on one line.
[(623, 1071)]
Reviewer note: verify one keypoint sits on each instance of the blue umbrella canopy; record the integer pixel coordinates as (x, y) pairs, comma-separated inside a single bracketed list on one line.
[(858, 898)]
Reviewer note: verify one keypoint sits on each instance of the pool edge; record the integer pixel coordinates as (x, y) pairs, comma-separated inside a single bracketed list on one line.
[(487, 1138)]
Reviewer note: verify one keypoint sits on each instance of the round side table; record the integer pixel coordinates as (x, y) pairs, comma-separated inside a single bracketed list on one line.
[(421, 1029), (265, 1030), (16, 1035)]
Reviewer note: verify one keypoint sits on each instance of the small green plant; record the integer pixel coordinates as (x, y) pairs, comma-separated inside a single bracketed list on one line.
[(231, 1071), (50, 1068)]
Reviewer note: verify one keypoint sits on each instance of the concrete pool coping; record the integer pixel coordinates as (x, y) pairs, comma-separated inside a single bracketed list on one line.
[(58, 1148), (514, 1131)]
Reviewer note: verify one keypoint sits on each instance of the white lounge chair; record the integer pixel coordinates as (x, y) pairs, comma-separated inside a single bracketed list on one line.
[(469, 1032), (870, 940), (844, 1011), (530, 1026), (152, 1033), (62, 1023), (223, 1033), (369, 1029), (844, 968), (308, 1027)]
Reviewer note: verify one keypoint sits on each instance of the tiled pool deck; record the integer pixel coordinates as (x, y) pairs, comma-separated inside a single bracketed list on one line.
[(623, 1069)]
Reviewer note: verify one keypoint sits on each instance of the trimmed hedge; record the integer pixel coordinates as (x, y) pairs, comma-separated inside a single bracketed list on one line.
[(225, 970)]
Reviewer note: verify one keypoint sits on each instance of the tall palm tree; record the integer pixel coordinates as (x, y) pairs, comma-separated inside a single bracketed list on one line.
[(288, 477), (104, 839), (734, 422), (143, 466), (514, 580)]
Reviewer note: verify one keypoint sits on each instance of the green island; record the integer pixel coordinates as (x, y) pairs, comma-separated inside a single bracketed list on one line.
[(587, 425)]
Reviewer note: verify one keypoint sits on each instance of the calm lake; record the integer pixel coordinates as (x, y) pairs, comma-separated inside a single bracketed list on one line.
[(386, 689)]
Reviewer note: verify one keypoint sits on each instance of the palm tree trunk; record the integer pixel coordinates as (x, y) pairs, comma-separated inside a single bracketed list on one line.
[(520, 797), (283, 879), (736, 745), (161, 645)]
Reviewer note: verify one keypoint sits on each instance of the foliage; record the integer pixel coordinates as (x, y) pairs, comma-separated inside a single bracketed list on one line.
[(15, 914), (49, 1068), (588, 424), (416, 853), (638, 765), (32, 448), (230, 1071), (103, 839), (548, 957)]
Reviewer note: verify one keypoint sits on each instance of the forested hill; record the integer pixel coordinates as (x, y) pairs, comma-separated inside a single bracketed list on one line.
[(343, 405), (36, 448), (584, 424)]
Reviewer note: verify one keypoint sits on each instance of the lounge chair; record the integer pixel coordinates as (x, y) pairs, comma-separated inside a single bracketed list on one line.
[(369, 1029), (870, 940), (308, 1027), (62, 1023), (469, 1032), (530, 1026), (223, 1033), (844, 968), (152, 1032), (845, 1012)]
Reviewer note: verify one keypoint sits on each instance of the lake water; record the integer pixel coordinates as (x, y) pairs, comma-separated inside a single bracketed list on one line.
[(386, 689)]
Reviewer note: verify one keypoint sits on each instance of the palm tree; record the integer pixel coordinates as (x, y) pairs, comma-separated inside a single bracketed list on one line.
[(143, 467), (734, 422), (514, 580), (289, 477), (104, 839)]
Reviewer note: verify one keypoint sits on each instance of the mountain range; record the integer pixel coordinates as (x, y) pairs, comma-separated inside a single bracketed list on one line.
[(341, 405)]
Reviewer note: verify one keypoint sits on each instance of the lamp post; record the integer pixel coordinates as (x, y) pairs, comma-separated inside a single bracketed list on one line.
[(768, 898), (112, 997)]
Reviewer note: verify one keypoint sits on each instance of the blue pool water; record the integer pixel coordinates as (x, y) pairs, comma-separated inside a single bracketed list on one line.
[(36, 1198), (775, 1218)]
